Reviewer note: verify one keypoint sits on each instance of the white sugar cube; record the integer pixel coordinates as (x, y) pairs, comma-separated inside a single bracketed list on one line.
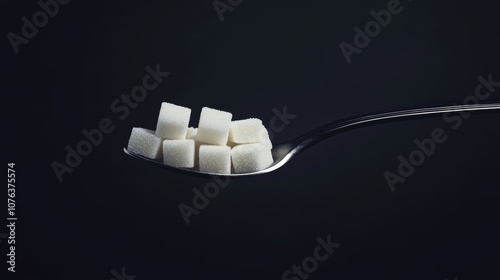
[(145, 143), (173, 121), (213, 127), (179, 153), (245, 131), (191, 133), (264, 137), (215, 159), (251, 157)]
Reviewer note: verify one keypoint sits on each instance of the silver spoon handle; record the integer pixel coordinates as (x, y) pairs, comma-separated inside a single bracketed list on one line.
[(336, 127)]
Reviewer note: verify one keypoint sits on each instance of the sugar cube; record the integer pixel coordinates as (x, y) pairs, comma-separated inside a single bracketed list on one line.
[(173, 121), (145, 143), (178, 153), (251, 157), (245, 131), (215, 159), (214, 126)]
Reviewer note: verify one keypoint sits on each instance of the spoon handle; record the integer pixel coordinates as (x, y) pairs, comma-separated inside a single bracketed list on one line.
[(336, 127)]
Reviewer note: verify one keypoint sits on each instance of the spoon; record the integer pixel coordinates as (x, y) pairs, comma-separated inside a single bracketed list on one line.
[(283, 153)]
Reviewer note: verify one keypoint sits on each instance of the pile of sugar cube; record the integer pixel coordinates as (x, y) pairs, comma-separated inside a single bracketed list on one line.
[(219, 145)]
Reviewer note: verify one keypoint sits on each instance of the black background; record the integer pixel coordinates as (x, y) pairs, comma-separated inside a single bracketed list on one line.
[(113, 211)]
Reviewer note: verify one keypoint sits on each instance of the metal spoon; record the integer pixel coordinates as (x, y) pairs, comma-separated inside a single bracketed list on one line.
[(283, 153)]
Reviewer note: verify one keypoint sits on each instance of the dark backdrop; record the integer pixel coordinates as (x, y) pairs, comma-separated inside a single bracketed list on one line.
[(114, 212)]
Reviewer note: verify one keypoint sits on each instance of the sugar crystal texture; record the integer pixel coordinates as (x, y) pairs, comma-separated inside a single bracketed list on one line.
[(245, 131), (173, 121), (191, 133), (264, 137), (215, 159), (251, 157), (214, 126), (145, 143), (197, 152), (179, 153)]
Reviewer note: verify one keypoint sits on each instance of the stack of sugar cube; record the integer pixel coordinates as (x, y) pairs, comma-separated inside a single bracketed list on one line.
[(219, 145)]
